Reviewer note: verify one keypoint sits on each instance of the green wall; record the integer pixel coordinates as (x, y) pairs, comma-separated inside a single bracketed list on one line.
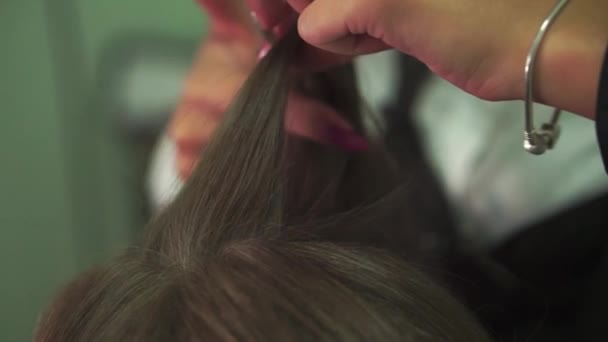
[(36, 243), (63, 204)]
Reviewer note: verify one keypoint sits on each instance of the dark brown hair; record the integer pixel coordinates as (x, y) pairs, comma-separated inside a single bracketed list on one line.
[(272, 239)]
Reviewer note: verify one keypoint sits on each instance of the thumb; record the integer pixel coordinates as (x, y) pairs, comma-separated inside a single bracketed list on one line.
[(342, 27)]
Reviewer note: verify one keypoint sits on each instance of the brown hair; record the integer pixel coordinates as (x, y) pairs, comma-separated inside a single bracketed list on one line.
[(272, 239)]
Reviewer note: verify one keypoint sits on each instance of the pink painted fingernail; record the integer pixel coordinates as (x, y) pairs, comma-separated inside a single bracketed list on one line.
[(285, 25), (347, 139), (264, 50), (256, 19), (262, 28)]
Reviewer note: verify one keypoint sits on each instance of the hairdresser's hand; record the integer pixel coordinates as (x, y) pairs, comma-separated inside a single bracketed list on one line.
[(478, 45), (226, 58)]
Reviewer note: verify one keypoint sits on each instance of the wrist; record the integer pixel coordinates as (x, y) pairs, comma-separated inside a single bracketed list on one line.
[(570, 60)]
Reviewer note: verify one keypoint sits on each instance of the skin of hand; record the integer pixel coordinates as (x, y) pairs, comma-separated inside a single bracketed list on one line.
[(478, 45), (225, 59)]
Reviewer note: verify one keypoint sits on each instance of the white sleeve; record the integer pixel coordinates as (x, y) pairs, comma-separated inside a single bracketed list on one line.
[(163, 182)]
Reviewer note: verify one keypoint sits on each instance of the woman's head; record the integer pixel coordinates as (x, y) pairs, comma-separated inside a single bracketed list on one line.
[(259, 290), (272, 238)]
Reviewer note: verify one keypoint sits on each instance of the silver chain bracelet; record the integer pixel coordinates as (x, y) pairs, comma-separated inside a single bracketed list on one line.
[(538, 141)]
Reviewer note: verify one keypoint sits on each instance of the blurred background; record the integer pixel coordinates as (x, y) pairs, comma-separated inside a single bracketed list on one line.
[(85, 88)]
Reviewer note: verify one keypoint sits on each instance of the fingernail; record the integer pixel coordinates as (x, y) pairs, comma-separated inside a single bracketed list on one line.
[(264, 51), (347, 139), (262, 28), (285, 25), (255, 18)]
